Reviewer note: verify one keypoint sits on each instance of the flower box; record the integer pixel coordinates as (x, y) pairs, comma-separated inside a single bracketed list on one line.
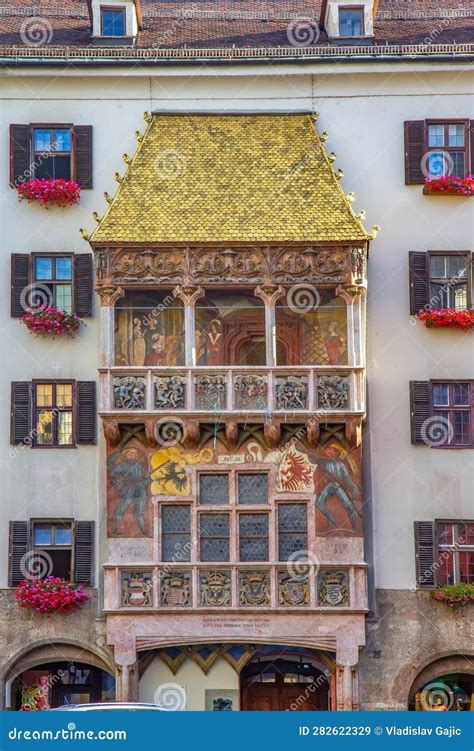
[(50, 595), (449, 185), (449, 318), (50, 192), (50, 322), (454, 595)]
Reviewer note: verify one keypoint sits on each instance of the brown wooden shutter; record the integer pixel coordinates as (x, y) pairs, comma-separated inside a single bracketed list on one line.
[(414, 151), (471, 145), (425, 554), (19, 154), (85, 411), (20, 422), (20, 278), (19, 543), (83, 271), (419, 281), (84, 553), (420, 408), (83, 155)]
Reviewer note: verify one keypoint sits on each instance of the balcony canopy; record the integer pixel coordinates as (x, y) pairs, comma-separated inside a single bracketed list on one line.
[(229, 178)]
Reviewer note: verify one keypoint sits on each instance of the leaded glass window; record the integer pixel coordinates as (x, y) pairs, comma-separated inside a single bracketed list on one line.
[(176, 533), (214, 536), (252, 488), (253, 537), (292, 529), (214, 489)]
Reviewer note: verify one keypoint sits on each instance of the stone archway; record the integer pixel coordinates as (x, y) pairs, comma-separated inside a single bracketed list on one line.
[(445, 682)]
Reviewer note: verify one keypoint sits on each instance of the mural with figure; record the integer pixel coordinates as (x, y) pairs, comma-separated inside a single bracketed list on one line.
[(129, 498)]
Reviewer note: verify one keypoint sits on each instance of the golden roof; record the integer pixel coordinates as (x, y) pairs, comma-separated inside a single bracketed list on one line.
[(231, 178)]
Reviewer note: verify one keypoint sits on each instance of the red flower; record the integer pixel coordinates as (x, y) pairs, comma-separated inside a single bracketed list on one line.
[(43, 321), (59, 192), (50, 594), (450, 184), (446, 318)]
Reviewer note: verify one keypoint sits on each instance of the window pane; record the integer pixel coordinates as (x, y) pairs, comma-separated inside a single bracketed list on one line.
[(446, 567), (350, 22), (214, 489), (253, 536), (43, 268), (64, 395), (457, 267), (292, 526), (458, 296), (62, 535), (63, 297), (64, 428), (62, 140), (458, 163), (461, 394), (42, 140), (435, 135), (445, 534), (455, 135), (42, 535), (176, 533), (44, 168), (44, 394), (63, 268), (466, 534), (214, 535), (440, 395), (466, 568), (113, 23), (462, 428), (438, 267), (44, 428), (439, 295), (61, 167), (438, 164), (253, 488)]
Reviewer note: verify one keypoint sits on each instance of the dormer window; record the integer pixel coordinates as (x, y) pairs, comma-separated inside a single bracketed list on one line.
[(112, 22), (351, 22)]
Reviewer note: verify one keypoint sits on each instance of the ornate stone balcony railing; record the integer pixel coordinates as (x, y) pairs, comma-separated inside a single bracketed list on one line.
[(326, 390), (191, 587)]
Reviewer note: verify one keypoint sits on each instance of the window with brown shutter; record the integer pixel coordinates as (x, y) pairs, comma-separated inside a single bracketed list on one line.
[(419, 287), (444, 551), (84, 553), (19, 544), (435, 148), (442, 413), (425, 554), (61, 280), (51, 151), (86, 412), (20, 413), (440, 279), (414, 151), (420, 409)]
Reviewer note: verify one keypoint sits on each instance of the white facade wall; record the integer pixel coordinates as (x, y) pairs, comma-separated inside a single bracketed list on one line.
[(362, 106)]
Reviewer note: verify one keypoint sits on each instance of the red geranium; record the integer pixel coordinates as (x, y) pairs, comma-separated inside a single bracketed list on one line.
[(50, 594), (463, 186), (44, 321), (450, 318), (58, 192)]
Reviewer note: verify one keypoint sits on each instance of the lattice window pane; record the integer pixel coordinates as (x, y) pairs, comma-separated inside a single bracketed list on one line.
[(292, 529), (214, 535), (253, 536), (253, 488), (176, 533), (214, 489)]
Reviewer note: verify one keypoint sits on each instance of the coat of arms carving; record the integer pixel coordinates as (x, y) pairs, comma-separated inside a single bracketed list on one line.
[(333, 589)]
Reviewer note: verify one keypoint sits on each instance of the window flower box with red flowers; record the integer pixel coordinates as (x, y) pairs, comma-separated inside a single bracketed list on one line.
[(449, 318), (50, 192), (455, 596), (50, 595), (449, 185), (50, 322)]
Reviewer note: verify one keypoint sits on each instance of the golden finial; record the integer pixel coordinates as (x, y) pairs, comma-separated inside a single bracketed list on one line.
[(314, 116), (332, 157), (324, 136), (138, 136), (351, 197), (107, 197), (339, 173), (118, 179), (375, 231), (147, 117), (84, 234), (361, 215), (96, 216), (126, 158)]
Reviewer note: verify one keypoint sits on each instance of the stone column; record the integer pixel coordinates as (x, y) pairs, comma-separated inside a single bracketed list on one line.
[(189, 295), (109, 295), (270, 294), (127, 684), (353, 298)]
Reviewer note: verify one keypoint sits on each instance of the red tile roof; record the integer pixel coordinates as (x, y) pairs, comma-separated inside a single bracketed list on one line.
[(235, 23)]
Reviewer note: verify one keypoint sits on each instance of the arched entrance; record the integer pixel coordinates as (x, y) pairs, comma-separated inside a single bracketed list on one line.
[(445, 685), (281, 678), (55, 684)]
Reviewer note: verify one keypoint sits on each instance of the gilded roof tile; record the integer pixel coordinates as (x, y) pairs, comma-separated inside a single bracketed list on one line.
[(230, 178)]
